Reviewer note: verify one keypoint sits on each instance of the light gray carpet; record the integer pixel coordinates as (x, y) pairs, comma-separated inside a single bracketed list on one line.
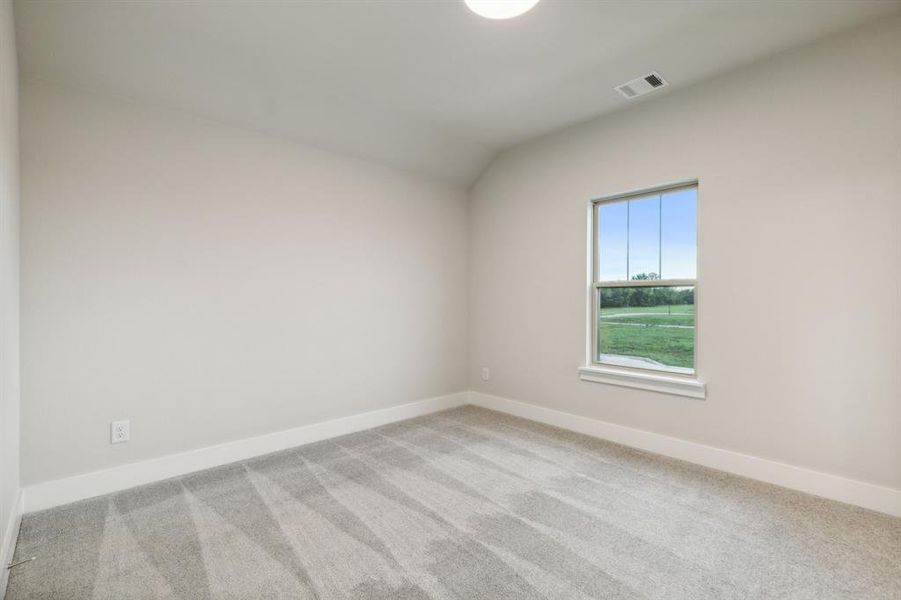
[(462, 504)]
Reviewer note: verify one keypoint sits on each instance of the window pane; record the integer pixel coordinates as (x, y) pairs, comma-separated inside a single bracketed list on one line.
[(647, 327), (644, 237), (612, 241), (679, 234)]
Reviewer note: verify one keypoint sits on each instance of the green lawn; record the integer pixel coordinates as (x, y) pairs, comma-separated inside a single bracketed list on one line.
[(643, 332)]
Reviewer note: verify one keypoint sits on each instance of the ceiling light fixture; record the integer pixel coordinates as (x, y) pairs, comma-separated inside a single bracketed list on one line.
[(500, 9)]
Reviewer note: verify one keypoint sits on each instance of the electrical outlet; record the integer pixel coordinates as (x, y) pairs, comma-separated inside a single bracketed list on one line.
[(119, 431), (486, 373)]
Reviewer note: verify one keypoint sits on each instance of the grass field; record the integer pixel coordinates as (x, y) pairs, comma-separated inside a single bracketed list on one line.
[(665, 334)]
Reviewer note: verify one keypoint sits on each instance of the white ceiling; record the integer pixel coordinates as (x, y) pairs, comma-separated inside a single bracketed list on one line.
[(422, 85)]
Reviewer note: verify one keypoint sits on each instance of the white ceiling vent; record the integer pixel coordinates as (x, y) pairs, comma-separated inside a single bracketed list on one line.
[(641, 85)]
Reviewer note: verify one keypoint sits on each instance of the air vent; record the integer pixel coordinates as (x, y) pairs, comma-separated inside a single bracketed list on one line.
[(654, 80), (641, 85)]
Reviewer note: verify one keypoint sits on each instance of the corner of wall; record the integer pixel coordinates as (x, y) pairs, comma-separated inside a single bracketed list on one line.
[(11, 498)]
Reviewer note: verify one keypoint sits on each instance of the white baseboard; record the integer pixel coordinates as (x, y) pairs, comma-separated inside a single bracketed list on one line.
[(62, 491), (10, 535), (850, 491)]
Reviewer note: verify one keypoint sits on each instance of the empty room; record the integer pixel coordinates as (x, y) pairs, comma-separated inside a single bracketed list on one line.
[(450, 299)]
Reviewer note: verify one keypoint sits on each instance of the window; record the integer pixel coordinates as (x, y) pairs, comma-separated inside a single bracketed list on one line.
[(644, 277)]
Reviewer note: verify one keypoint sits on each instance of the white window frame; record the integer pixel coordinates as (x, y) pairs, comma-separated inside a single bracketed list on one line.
[(670, 380)]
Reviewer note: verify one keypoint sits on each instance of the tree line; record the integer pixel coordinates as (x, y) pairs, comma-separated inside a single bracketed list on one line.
[(624, 297)]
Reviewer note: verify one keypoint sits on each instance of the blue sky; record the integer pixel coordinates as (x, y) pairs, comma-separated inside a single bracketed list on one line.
[(668, 220)]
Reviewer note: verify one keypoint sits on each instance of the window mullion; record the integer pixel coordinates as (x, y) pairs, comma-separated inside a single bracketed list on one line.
[(628, 234)]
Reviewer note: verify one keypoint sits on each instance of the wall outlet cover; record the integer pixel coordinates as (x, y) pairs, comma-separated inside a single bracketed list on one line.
[(120, 431)]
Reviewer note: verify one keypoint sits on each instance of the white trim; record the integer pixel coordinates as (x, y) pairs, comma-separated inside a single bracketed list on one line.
[(10, 535), (826, 485), (62, 491), (53, 493), (647, 191), (631, 283), (679, 386)]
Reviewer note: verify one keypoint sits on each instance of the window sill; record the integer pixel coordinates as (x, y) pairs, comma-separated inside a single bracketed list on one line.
[(665, 384)]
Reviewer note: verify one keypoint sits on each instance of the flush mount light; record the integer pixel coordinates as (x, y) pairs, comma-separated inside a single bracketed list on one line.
[(500, 9)]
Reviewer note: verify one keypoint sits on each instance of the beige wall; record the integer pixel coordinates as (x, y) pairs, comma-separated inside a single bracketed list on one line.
[(9, 276), (213, 284), (799, 162)]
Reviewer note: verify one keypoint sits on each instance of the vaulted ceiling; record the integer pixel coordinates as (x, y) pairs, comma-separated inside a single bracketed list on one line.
[(425, 86)]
